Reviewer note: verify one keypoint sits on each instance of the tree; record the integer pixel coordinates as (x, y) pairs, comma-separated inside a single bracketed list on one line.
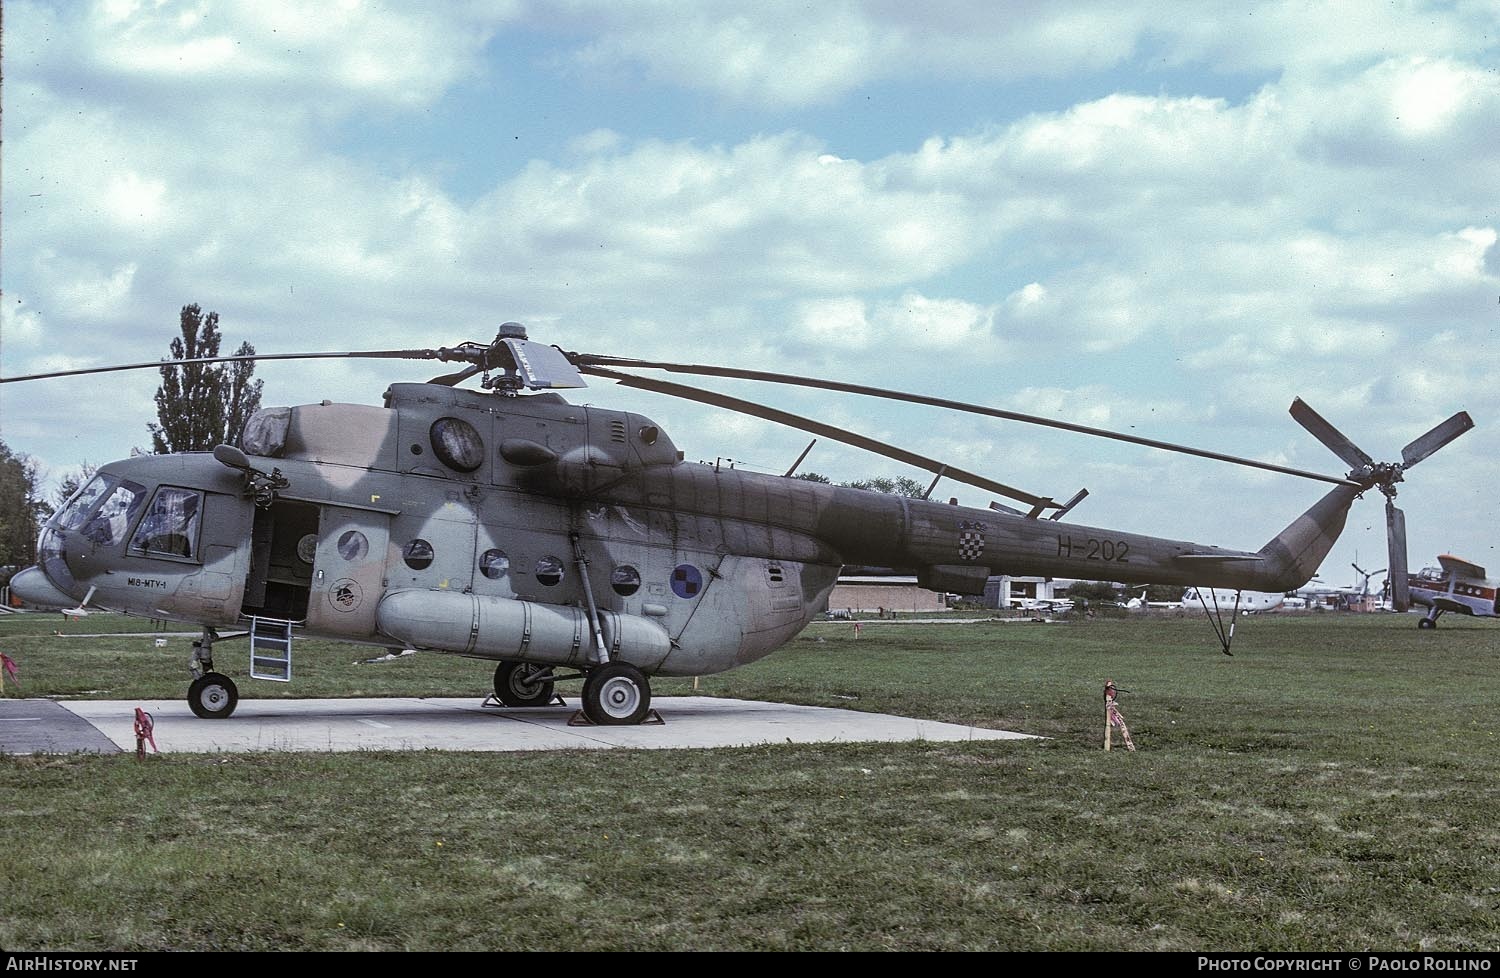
[(71, 483), (1094, 592), (22, 509), (900, 486), (201, 405)]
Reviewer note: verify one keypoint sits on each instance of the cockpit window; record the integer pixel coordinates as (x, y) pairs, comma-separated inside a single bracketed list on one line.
[(83, 500), (113, 517), (170, 527)]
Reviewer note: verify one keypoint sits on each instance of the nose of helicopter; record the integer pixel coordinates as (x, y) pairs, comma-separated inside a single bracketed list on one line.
[(33, 587)]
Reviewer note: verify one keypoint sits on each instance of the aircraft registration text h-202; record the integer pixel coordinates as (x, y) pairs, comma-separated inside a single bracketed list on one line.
[(568, 541), (1092, 548)]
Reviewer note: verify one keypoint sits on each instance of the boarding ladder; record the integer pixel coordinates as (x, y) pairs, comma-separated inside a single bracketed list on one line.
[(271, 649)]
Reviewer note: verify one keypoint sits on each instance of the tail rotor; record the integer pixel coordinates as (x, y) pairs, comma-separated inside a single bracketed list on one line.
[(1371, 474)]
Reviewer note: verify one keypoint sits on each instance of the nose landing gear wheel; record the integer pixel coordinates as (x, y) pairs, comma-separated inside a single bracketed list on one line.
[(523, 684), (616, 694), (1426, 623), (213, 696)]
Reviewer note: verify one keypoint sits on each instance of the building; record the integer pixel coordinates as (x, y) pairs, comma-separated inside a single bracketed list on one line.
[(1007, 591), (892, 593)]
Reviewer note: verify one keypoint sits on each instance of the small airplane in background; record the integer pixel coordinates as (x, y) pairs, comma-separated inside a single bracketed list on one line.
[(1458, 586), (1043, 604), (1138, 602), (1228, 599)]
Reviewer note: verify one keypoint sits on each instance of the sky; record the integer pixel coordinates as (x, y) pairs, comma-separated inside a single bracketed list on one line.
[(1168, 219)]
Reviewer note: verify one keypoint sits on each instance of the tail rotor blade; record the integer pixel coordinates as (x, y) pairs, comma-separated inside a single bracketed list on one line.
[(1436, 438), (1395, 526), (1330, 436)]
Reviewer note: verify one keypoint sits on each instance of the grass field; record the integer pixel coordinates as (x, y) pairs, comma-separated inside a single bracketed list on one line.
[(1334, 785)]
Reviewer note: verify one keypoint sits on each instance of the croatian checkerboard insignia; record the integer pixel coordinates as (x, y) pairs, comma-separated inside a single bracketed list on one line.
[(971, 540)]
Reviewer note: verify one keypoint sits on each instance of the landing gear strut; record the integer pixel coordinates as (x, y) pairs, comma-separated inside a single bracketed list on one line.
[(616, 694)]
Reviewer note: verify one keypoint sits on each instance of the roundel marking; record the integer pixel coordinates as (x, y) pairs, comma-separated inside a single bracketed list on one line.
[(687, 581)]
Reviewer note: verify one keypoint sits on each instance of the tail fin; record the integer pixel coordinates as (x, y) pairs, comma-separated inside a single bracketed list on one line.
[(1294, 555)]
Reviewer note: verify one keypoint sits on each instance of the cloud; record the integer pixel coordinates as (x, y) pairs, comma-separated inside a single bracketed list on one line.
[(787, 54), (352, 52), (914, 320), (1184, 248)]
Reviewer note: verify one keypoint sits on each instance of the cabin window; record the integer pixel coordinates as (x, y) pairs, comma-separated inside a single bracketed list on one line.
[(626, 580), (549, 571), (494, 564), (458, 444), (170, 527), (353, 545), (418, 554), (108, 524)]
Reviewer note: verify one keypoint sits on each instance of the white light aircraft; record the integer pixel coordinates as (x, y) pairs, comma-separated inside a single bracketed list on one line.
[(1228, 599)]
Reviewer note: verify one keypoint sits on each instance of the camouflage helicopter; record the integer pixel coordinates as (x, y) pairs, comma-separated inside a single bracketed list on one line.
[(569, 542)]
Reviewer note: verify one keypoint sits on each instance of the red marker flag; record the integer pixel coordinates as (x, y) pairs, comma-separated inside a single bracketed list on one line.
[(8, 667), (143, 732), (1113, 717)]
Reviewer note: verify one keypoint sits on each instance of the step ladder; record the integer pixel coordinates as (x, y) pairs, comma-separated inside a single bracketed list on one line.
[(271, 649)]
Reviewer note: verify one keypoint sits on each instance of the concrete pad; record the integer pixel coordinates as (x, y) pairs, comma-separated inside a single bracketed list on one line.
[(466, 725), (39, 726)]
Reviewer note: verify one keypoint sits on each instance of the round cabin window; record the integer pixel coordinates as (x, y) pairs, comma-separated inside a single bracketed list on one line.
[(549, 571), (458, 444), (493, 564), (418, 554), (353, 545), (626, 580)]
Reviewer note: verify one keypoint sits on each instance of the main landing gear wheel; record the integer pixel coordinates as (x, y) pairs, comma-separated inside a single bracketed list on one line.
[(213, 696), (1426, 623), (523, 684), (616, 694)]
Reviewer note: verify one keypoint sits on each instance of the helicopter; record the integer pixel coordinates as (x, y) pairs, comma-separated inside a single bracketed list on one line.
[(570, 542)]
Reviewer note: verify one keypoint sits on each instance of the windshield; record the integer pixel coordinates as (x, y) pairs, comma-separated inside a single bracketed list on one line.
[(108, 524), (75, 509), (103, 509)]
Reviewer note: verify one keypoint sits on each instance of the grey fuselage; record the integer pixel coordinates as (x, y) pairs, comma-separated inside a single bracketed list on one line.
[(530, 529)]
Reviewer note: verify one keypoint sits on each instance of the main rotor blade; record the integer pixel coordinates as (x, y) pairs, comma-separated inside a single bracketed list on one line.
[(438, 354), (586, 361), (1436, 438), (1395, 536), (826, 430), (451, 380), (1329, 435)]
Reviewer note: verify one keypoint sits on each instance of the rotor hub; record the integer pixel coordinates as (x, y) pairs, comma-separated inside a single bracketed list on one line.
[(1384, 475)]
